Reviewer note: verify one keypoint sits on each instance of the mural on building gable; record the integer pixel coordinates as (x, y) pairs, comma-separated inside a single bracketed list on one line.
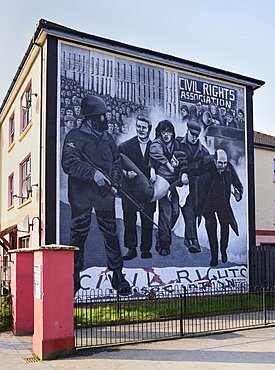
[(153, 183)]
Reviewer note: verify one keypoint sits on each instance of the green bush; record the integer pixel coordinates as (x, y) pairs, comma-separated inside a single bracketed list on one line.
[(5, 313)]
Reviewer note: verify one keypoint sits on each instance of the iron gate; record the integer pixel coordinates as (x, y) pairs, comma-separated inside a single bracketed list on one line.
[(108, 319), (262, 265)]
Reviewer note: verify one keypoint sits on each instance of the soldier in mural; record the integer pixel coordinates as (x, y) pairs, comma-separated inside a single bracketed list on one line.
[(90, 158), (220, 175), (137, 150)]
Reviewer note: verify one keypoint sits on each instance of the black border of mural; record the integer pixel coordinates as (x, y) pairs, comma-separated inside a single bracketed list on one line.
[(51, 137), (51, 141), (250, 170)]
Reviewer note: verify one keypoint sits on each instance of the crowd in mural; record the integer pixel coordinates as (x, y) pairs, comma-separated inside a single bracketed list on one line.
[(213, 115), (117, 115), (120, 110), (146, 174)]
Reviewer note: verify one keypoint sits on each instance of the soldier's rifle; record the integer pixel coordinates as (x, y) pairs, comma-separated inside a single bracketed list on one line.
[(120, 190)]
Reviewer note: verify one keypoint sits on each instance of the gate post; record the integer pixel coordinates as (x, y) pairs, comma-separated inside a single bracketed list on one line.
[(22, 290), (53, 301)]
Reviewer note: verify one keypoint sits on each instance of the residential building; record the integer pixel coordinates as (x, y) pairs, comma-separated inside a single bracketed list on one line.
[(60, 68), (264, 158)]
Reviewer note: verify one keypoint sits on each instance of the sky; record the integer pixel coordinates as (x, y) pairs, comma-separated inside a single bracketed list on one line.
[(235, 35)]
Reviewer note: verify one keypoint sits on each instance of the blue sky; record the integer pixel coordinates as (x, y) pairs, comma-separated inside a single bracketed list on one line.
[(235, 35)]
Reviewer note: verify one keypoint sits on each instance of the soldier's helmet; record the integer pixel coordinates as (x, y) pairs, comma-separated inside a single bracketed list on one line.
[(92, 105)]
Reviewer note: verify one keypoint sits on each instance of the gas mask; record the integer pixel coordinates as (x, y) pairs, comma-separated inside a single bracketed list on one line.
[(99, 123)]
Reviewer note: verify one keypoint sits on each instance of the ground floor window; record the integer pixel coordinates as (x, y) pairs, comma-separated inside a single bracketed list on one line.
[(24, 242)]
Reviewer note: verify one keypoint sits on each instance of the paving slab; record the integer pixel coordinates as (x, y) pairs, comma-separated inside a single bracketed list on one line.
[(246, 349)]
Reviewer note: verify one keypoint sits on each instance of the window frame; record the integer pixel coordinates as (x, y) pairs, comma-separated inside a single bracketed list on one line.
[(24, 240), (10, 190), (11, 128), (26, 111), (27, 178)]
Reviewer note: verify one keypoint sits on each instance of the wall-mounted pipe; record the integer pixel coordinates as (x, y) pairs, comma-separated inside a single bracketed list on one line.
[(40, 145)]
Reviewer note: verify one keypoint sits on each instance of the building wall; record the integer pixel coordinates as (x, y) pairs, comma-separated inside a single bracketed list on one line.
[(148, 87), (25, 143), (264, 195), (159, 93)]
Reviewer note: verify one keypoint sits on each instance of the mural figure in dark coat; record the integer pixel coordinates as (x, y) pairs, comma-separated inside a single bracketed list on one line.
[(137, 150), (219, 176), (90, 158), (191, 145)]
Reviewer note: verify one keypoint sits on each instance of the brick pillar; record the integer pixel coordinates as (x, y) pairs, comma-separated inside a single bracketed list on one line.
[(53, 301), (22, 290)]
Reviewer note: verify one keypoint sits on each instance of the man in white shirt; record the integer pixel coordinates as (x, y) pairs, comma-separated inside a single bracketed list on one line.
[(137, 150)]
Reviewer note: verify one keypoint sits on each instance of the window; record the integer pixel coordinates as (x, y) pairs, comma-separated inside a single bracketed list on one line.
[(83, 63), (5, 265), (25, 172), (108, 66), (10, 189), (97, 66), (13, 239), (24, 242), (26, 104), (118, 70), (11, 129), (92, 65)]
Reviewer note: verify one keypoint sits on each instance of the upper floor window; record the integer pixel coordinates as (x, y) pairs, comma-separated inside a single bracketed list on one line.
[(26, 104), (11, 129), (10, 189), (25, 172)]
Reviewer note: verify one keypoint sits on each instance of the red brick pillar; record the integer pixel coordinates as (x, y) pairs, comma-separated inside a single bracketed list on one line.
[(22, 290), (53, 301)]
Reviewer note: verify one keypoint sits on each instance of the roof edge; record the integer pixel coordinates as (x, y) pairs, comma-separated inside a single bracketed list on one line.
[(45, 25), (48, 25), (263, 140)]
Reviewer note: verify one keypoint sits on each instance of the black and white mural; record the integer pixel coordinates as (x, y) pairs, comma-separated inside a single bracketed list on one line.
[(152, 174)]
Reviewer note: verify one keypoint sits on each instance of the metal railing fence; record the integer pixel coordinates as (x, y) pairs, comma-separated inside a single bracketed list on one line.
[(5, 309), (5, 296), (104, 318)]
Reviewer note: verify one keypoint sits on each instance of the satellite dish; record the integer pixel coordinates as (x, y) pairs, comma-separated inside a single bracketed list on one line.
[(26, 224)]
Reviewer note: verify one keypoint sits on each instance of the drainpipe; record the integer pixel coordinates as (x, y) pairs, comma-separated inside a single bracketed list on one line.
[(40, 144)]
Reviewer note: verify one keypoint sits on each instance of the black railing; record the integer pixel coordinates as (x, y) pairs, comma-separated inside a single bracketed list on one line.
[(5, 309), (103, 318), (5, 296), (262, 265), (5, 274)]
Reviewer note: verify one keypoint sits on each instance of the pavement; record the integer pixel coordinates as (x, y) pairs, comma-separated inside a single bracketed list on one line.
[(246, 349)]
